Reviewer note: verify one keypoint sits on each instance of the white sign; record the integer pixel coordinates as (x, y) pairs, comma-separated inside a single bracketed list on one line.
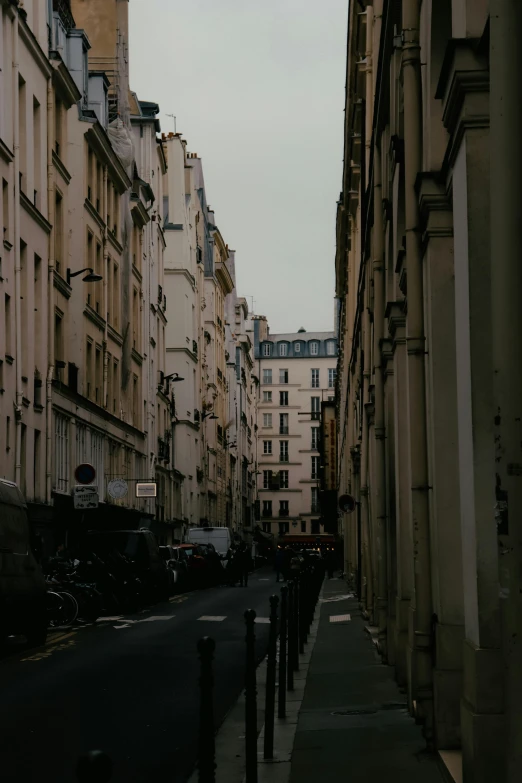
[(117, 488), (85, 497), (146, 489)]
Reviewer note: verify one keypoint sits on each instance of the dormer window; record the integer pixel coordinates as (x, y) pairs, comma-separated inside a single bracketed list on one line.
[(297, 347), (330, 348), (267, 349), (314, 349), (283, 349)]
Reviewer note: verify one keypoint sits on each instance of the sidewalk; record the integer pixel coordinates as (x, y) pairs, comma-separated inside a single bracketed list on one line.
[(353, 723)]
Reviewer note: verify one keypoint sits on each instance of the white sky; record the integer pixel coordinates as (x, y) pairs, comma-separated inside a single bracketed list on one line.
[(257, 87)]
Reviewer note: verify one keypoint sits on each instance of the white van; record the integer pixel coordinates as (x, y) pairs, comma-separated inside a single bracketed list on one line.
[(219, 537)]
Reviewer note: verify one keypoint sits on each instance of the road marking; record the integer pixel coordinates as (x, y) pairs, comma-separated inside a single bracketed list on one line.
[(178, 599), (264, 579), (60, 638), (213, 619), (51, 647), (264, 620), (110, 619), (335, 598), (125, 625), (339, 618), (156, 617)]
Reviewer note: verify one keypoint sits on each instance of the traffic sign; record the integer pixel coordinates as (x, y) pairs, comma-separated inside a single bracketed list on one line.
[(86, 497), (117, 488), (146, 489), (347, 503), (85, 473)]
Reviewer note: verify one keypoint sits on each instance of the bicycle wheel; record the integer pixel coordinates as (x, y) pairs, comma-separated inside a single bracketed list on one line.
[(69, 611), (54, 603)]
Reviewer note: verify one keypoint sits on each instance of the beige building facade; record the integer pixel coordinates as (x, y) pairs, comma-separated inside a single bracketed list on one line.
[(297, 372), (428, 384)]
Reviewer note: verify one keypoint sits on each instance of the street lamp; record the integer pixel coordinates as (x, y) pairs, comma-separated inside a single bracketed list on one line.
[(90, 277), (174, 376), (209, 414)]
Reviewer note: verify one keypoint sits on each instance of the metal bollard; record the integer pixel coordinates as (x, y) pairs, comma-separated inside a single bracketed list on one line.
[(251, 699), (271, 680), (282, 653), (302, 612), (295, 643), (207, 743), (95, 767), (290, 650)]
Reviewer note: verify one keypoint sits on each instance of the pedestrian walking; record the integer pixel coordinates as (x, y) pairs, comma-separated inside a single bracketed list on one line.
[(279, 562), (244, 565)]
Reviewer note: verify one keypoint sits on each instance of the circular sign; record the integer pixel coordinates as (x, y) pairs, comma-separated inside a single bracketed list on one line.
[(117, 488), (347, 503), (85, 473)]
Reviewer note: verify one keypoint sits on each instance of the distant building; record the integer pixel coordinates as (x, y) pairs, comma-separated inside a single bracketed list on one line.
[(297, 372)]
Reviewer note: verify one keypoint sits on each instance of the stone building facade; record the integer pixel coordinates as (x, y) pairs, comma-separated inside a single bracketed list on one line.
[(428, 393), (297, 373)]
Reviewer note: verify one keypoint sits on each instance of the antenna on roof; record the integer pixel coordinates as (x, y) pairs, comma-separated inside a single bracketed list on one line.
[(174, 118)]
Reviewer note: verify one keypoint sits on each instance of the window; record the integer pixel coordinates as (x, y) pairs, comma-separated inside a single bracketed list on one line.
[(283, 479), (267, 447), (283, 423), (267, 508), (267, 479), (314, 349), (330, 348), (283, 508), (297, 348), (267, 419), (59, 233), (283, 349), (267, 349), (135, 320), (283, 398), (98, 376), (115, 384), (8, 326), (315, 527), (283, 451), (58, 346), (266, 527), (303, 526), (315, 379), (331, 399), (88, 369), (315, 408), (284, 527), (267, 376), (36, 464), (61, 453), (267, 396), (315, 468), (283, 376), (315, 438), (5, 209), (332, 374), (315, 500)]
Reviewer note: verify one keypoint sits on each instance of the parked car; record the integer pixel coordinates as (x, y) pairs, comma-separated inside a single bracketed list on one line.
[(141, 548), (198, 565), (22, 584)]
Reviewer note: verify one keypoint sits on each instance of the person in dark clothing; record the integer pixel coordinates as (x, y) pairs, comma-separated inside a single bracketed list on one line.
[(244, 565), (279, 563), (330, 564)]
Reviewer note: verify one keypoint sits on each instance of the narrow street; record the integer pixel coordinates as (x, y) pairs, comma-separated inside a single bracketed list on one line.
[(127, 686)]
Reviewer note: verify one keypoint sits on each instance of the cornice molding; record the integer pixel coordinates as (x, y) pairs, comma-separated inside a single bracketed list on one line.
[(63, 81), (27, 36), (94, 317), (61, 285), (60, 168), (139, 214), (98, 139), (5, 152), (35, 213)]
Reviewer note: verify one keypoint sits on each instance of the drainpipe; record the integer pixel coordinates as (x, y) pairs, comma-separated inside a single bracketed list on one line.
[(50, 293), (18, 268), (379, 426), (365, 502), (105, 256), (506, 288), (415, 341)]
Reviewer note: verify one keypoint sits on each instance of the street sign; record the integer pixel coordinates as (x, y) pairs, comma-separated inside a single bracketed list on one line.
[(85, 473), (347, 503), (85, 497), (146, 489), (117, 488)]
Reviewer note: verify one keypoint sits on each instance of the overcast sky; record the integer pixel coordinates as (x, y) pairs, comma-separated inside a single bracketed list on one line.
[(257, 87)]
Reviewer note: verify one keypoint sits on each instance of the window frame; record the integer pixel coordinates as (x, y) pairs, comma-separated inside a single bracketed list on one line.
[(315, 378), (267, 447), (267, 396), (314, 348), (282, 349), (267, 349), (267, 372)]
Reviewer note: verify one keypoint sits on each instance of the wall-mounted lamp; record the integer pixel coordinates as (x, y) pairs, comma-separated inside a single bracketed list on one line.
[(174, 376), (90, 277), (208, 414)]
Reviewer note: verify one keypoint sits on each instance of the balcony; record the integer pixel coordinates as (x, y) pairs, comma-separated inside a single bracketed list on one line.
[(284, 512), (63, 9), (266, 514), (315, 508), (284, 458), (283, 430), (160, 295)]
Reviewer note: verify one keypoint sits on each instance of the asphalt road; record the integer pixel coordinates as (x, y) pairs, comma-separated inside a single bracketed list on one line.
[(126, 686)]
